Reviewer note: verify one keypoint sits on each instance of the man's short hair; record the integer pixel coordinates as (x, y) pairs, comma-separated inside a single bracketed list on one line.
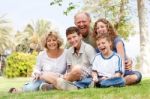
[(82, 12)]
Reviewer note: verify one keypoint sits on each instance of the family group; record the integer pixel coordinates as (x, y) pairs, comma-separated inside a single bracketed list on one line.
[(92, 57)]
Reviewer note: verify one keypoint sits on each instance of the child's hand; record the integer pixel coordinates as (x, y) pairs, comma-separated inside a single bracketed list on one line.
[(65, 76), (95, 79), (104, 78), (36, 76)]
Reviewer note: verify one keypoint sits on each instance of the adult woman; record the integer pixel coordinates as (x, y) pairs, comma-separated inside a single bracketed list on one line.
[(52, 59), (104, 26)]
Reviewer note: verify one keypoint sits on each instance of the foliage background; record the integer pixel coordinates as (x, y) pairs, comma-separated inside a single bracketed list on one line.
[(20, 64)]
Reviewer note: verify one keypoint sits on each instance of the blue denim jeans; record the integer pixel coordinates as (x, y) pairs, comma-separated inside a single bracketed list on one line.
[(115, 81), (32, 86), (84, 83)]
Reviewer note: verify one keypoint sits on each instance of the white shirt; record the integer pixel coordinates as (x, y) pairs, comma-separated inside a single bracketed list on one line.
[(108, 66), (46, 64)]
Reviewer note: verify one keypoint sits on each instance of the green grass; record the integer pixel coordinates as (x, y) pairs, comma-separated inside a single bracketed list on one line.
[(139, 91)]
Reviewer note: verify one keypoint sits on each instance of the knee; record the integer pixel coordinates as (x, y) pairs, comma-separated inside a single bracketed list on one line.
[(139, 76), (131, 79), (76, 70), (43, 76), (74, 74)]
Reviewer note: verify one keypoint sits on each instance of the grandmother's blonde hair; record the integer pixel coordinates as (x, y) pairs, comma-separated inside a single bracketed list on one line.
[(53, 34)]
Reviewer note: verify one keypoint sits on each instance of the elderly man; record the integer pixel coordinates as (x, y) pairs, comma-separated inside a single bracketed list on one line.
[(82, 20)]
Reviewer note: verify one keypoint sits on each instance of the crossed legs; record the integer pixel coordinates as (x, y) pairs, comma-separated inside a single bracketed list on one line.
[(134, 78), (73, 75)]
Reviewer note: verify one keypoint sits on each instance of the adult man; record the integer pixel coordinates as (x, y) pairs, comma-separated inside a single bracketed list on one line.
[(82, 21)]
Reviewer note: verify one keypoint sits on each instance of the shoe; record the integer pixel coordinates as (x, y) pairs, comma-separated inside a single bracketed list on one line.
[(46, 87), (14, 90), (92, 85), (65, 85)]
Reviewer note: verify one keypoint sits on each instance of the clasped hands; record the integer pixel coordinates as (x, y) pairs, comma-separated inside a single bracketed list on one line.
[(37, 76), (95, 78)]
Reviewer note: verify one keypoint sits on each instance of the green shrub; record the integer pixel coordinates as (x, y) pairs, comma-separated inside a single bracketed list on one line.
[(20, 64)]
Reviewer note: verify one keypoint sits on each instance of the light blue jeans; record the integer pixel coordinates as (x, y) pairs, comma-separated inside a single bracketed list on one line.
[(115, 81), (32, 86), (84, 83)]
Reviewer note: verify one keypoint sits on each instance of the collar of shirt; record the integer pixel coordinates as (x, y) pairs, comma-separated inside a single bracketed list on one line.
[(81, 48)]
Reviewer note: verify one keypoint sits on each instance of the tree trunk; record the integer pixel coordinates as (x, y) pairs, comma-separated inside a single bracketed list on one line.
[(144, 37), (121, 14)]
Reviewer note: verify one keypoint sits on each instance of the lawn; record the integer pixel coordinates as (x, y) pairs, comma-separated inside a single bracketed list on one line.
[(140, 91)]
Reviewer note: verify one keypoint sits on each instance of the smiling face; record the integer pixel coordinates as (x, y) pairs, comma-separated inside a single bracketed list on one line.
[(101, 28), (82, 21), (74, 39), (52, 43), (104, 46)]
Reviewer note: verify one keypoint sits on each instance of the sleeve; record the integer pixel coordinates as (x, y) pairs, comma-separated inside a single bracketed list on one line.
[(69, 60), (119, 65), (118, 39), (38, 66), (68, 56), (91, 53), (94, 64)]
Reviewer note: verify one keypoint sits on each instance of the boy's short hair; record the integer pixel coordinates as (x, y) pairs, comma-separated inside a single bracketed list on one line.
[(72, 30), (104, 35), (107, 37)]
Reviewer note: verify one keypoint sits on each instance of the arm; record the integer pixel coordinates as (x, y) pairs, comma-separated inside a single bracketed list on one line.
[(119, 66), (94, 70), (68, 69), (91, 53), (128, 63), (118, 74), (69, 61), (95, 76), (38, 68), (121, 52)]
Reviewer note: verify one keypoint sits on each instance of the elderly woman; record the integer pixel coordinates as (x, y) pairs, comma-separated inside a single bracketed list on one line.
[(52, 59)]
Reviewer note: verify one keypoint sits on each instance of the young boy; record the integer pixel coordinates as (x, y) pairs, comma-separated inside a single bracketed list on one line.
[(80, 55), (107, 67)]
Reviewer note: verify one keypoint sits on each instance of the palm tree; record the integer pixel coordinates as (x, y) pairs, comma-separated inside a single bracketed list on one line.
[(30, 37), (5, 35), (21, 41), (36, 30)]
